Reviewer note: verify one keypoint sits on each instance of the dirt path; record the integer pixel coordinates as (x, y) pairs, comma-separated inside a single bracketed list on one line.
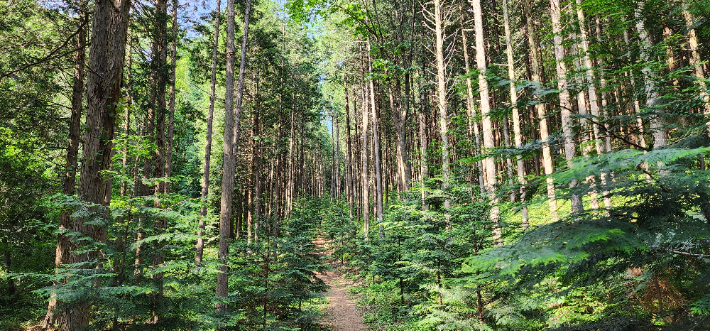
[(342, 311)]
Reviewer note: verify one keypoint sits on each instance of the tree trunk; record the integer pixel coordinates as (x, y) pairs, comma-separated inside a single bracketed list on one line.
[(242, 70), (658, 130), (106, 58), (565, 105), (290, 185), (593, 99), (423, 168), (365, 181), (471, 107), (540, 110), (517, 135), (337, 159), (256, 171), (160, 48), (350, 161), (376, 142), (441, 94), (637, 107), (399, 119), (171, 103), (227, 166), (488, 144), (64, 243), (695, 62), (208, 139), (332, 158), (126, 123)]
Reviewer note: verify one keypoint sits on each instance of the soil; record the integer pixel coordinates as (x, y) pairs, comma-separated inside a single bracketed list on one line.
[(342, 312)]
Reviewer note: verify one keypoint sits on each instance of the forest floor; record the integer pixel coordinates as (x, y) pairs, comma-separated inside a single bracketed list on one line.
[(341, 313)]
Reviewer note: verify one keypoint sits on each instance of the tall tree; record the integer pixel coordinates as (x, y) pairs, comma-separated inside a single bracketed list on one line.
[(63, 252), (365, 182), (208, 137), (488, 143), (516, 116), (442, 91), (159, 77), (565, 105), (231, 137), (658, 130), (592, 94), (106, 58), (695, 61), (225, 211), (536, 76), (376, 141), (171, 98), (350, 174), (470, 103)]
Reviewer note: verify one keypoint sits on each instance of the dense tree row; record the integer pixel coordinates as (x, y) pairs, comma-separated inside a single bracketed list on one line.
[(481, 165), (140, 92), (416, 57), (596, 109)]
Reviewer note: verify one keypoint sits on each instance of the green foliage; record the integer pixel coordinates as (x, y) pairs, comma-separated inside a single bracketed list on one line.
[(603, 265), (32, 132), (410, 261), (341, 229)]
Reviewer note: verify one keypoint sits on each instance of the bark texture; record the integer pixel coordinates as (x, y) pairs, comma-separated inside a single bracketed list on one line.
[(208, 138), (106, 58)]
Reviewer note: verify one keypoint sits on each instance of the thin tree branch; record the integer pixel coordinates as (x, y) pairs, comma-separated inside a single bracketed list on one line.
[(700, 256), (624, 139), (52, 55)]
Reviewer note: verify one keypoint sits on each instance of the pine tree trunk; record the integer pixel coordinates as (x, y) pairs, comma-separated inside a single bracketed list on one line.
[(127, 121), (231, 138), (227, 166), (441, 95), (290, 185), (488, 144), (240, 84), (695, 62), (536, 76), (637, 107), (658, 130), (565, 105), (171, 103), (160, 47), (332, 157), (376, 143), (471, 107), (106, 58), (592, 95), (423, 168), (517, 135), (365, 169), (399, 123), (256, 171), (337, 158), (64, 243), (350, 175), (208, 139)]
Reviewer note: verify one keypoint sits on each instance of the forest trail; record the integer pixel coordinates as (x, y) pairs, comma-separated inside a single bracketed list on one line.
[(342, 313)]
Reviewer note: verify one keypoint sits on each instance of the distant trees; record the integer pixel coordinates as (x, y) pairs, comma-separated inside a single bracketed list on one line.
[(585, 118), (594, 89), (124, 228)]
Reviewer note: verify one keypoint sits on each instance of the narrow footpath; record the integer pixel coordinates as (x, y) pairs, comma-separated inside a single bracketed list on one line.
[(342, 313)]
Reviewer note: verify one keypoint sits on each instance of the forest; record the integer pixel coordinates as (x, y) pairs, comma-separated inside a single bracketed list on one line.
[(408, 164)]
